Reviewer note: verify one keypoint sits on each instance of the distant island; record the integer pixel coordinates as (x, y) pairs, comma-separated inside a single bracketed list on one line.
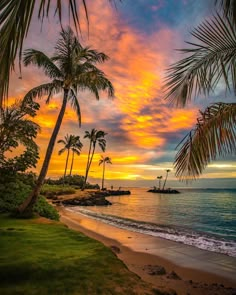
[(163, 191)]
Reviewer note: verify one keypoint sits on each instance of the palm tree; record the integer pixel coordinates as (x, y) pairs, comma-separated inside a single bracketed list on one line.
[(167, 171), (15, 21), (71, 68), (211, 59), (68, 143), (159, 177), (94, 137), (103, 161), (76, 149)]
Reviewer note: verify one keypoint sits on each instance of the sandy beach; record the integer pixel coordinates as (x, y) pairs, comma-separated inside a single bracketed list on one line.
[(188, 270)]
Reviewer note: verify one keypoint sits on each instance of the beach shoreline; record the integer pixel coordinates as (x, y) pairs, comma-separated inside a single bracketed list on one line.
[(198, 271)]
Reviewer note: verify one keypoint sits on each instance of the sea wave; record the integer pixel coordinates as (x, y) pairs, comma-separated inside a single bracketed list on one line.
[(181, 235)]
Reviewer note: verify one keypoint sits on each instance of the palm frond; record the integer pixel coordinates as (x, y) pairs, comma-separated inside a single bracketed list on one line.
[(214, 135), (41, 60), (44, 89), (61, 151), (15, 19), (229, 8), (214, 58)]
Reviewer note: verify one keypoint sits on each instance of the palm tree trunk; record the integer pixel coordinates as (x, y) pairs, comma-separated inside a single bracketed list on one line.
[(26, 208), (103, 175), (87, 167), (165, 181), (67, 158), (72, 162), (159, 184)]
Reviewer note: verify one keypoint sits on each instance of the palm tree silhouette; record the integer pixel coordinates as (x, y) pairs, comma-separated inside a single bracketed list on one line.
[(71, 68), (15, 21), (71, 143), (210, 60), (76, 149), (94, 137), (159, 177), (104, 160), (167, 171)]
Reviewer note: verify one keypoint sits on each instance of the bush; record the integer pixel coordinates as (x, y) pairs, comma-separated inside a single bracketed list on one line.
[(13, 192), (46, 210), (56, 190)]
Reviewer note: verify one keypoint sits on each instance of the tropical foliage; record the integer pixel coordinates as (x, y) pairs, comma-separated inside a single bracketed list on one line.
[(211, 59), (95, 136), (160, 178), (71, 69), (104, 161), (15, 21), (71, 143), (16, 129)]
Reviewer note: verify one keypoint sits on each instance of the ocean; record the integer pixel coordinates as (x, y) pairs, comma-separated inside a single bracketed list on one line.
[(203, 218)]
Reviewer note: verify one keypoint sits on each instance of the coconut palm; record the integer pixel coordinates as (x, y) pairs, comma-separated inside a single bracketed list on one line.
[(167, 171), (15, 21), (76, 149), (104, 161), (211, 59), (71, 68), (95, 136), (67, 142), (160, 178)]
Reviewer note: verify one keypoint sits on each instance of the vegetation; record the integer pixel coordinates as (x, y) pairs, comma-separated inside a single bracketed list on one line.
[(210, 60), (50, 190), (95, 136), (76, 181), (14, 189), (71, 68), (71, 142), (15, 21), (167, 171), (65, 262), (104, 161), (16, 129), (160, 178)]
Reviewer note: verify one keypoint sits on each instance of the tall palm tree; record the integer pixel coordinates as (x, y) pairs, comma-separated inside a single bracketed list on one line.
[(76, 149), (212, 58), (15, 21), (71, 68), (104, 161), (95, 136), (160, 178), (167, 171), (68, 143)]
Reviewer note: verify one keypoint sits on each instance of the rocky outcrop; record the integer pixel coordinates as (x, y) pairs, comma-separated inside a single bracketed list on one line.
[(96, 198), (93, 200), (166, 191)]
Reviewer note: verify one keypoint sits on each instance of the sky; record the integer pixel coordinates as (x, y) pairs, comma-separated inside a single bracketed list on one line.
[(143, 129)]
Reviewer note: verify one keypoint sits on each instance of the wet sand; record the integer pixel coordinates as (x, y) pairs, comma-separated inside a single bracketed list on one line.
[(199, 271)]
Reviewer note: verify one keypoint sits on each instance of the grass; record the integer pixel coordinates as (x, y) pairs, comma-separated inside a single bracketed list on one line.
[(48, 258), (56, 190)]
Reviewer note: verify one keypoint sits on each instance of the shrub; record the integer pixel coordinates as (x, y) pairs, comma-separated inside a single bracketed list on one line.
[(56, 190), (46, 210)]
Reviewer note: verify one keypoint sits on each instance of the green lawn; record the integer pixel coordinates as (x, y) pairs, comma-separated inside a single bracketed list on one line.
[(48, 258)]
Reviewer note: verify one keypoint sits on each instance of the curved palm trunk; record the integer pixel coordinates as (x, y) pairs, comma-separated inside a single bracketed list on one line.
[(103, 175), (67, 158), (87, 167), (72, 162), (26, 208), (165, 181), (159, 184)]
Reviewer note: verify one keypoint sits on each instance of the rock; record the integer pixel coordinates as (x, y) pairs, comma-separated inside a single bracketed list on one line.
[(173, 275), (155, 270), (115, 249), (166, 191)]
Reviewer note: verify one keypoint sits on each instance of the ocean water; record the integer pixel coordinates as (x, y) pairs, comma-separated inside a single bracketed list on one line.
[(203, 218)]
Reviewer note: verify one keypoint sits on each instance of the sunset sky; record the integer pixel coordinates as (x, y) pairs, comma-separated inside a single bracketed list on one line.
[(143, 129)]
